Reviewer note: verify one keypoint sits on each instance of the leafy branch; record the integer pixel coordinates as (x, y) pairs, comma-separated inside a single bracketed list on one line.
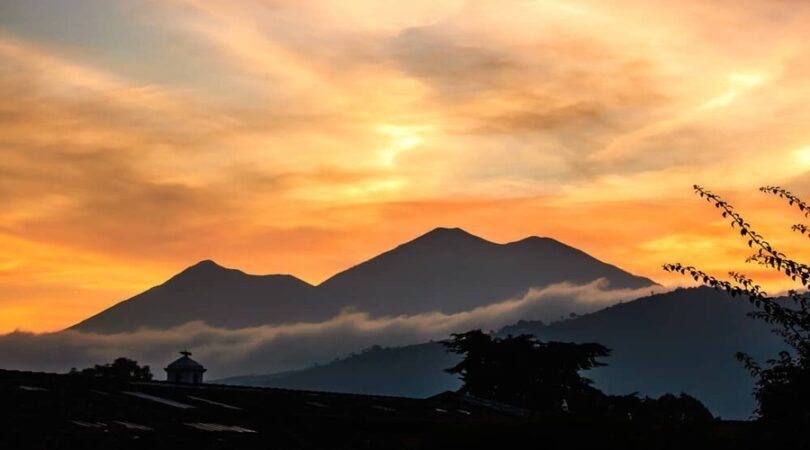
[(780, 387)]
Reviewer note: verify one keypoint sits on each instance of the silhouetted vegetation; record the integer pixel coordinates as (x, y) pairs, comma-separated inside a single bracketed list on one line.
[(121, 369), (668, 408), (521, 371), (783, 387), (545, 377)]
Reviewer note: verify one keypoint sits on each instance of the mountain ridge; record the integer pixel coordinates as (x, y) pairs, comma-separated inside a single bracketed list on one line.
[(447, 270), (209, 266), (195, 291)]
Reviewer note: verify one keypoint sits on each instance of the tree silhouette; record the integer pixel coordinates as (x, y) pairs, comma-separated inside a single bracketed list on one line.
[(121, 369), (522, 371), (783, 388), (677, 408)]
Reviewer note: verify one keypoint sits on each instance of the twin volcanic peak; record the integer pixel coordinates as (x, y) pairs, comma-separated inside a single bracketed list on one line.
[(446, 270)]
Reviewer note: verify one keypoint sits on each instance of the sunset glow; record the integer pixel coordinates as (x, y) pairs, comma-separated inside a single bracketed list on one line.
[(138, 137)]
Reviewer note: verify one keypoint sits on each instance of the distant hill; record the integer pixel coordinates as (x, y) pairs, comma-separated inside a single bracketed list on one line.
[(408, 371), (447, 270), (681, 341)]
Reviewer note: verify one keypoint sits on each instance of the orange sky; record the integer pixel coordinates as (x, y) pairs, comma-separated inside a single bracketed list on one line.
[(139, 136)]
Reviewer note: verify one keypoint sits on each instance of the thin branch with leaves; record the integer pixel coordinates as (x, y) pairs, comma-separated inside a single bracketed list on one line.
[(783, 389)]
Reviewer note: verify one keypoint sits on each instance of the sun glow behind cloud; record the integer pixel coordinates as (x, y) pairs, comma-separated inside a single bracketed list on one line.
[(802, 157), (403, 138), (137, 137), (740, 83)]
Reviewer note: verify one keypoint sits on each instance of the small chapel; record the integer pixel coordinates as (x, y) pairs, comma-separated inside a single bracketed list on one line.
[(185, 370)]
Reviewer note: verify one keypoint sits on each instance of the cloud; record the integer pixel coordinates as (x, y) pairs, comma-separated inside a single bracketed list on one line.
[(284, 347), (306, 136)]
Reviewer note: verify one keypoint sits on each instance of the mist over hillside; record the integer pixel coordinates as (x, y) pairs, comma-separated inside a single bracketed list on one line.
[(680, 341), (287, 346)]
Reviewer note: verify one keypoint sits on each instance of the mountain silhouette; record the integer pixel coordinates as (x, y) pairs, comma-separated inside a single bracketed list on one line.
[(446, 270), (680, 341), (450, 270), (211, 293)]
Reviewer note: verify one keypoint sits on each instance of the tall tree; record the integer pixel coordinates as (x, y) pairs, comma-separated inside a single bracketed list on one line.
[(522, 371), (783, 387)]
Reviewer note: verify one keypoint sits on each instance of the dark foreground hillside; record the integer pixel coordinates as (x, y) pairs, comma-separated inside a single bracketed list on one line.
[(679, 341), (47, 411)]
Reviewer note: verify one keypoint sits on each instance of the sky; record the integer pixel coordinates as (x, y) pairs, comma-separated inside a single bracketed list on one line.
[(138, 137)]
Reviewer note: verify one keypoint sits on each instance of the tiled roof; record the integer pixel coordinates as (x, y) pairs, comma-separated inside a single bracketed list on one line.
[(85, 412), (52, 411)]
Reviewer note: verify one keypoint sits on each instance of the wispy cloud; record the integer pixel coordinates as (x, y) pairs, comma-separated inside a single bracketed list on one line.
[(306, 136)]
